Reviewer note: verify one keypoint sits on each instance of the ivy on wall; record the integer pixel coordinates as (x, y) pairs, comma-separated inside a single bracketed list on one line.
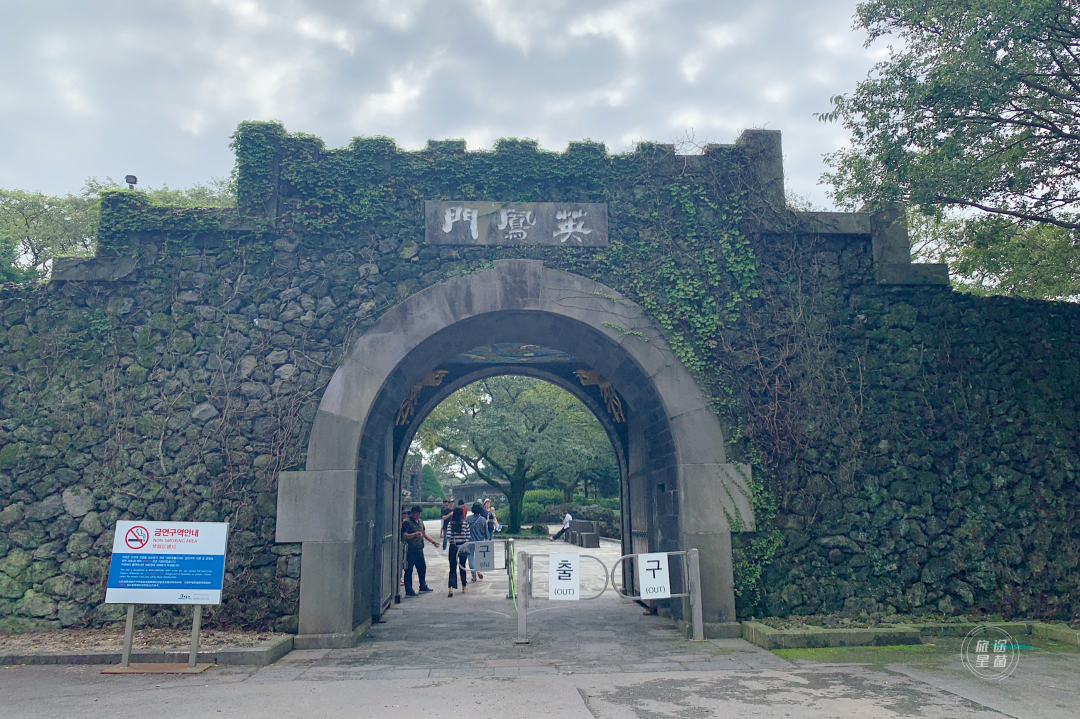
[(874, 417)]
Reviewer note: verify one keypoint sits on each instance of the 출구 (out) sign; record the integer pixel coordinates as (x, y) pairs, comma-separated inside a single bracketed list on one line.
[(167, 563)]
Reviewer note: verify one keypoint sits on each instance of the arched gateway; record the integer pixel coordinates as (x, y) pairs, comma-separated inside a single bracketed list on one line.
[(678, 489)]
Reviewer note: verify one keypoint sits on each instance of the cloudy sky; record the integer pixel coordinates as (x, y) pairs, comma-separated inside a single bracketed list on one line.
[(107, 88)]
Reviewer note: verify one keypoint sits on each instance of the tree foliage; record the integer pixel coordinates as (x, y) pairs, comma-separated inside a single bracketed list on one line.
[(36, 228), (429, 484), (977, 108), (514, 432), (992, 255)]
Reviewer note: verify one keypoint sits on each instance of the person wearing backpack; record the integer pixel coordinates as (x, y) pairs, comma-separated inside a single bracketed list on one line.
[(478, 532)]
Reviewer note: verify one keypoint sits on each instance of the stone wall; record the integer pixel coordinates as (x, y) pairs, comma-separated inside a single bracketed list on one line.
[(918, 448)]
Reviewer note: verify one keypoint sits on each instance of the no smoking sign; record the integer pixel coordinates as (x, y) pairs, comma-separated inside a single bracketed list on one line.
[(136, 537)]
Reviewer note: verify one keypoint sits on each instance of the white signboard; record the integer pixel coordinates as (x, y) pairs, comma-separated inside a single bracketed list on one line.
[(564, 580), (167, 563), (653, 576), (484, 556)]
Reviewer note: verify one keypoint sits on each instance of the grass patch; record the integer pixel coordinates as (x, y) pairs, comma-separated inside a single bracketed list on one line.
[(877, 656)]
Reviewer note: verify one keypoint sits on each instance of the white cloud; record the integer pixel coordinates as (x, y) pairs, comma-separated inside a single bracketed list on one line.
[(156, 88)]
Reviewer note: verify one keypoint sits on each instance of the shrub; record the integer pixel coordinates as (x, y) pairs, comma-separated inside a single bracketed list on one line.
[(538, 528), (530, 512), (544, 497)]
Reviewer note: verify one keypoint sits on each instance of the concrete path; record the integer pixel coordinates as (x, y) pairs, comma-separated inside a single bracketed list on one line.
[(440, 657)]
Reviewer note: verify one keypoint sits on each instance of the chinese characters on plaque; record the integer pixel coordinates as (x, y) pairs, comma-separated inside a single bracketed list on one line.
[(515, 223)]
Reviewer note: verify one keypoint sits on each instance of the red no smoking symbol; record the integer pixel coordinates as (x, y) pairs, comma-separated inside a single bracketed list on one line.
[(137, 537)]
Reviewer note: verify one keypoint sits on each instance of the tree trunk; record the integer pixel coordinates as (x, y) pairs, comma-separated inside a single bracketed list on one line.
[(516, 497)]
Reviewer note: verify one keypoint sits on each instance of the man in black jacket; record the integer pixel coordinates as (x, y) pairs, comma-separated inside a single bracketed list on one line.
[(414, 534)]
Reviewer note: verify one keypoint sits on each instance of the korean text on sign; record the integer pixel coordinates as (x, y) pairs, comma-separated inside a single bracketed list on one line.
[(484, 556), (653, 576), (167, 563), (564, 579)]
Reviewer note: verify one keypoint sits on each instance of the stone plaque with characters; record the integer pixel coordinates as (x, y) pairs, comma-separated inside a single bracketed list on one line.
[(515, 223)]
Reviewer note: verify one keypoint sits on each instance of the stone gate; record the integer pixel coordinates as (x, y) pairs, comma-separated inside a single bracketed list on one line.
[(829, 423)]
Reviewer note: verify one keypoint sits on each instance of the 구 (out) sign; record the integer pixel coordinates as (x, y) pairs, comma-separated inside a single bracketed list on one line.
[(653, 576), (484, 556), (167, 563), (564, 580)]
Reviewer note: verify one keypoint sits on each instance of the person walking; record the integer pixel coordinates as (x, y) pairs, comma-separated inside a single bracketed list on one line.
[(565, 525), (414, 534), (457, 530), (447, 512), (478, 532)]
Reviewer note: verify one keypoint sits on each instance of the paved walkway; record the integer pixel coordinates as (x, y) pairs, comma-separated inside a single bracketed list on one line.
[(472, 634), (602, 659)]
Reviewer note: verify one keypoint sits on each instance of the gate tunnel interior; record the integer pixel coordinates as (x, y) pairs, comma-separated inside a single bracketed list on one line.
[(559, 374), (344, 506)]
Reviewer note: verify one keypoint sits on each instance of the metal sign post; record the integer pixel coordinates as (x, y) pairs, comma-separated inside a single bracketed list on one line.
[(557, 564), (166, 563), (129, 627), (524, 592), (695, 595), (691, 571), (196, 625)]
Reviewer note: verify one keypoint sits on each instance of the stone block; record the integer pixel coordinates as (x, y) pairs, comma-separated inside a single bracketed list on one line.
[(918, 274), (326, 588), (78, 501), (768, 638), (1057, 632), (717, 577), (714, 497), (889, 235), (333, 442), (316, 506), (92, 269), (589, 540), (694, 434), (722, 630), (834, 223)]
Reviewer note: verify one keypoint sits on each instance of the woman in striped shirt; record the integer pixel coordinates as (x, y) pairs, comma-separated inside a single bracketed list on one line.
[(458, 533)]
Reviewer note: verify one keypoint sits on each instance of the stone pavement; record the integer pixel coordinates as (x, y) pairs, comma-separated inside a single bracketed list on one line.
[(441, 657)]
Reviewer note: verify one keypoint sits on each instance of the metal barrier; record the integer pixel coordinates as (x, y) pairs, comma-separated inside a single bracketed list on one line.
[(692, 579), (525, 590), (508, 551)]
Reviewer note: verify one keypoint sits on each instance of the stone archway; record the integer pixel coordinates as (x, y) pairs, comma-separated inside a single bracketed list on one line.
[(343, 506)]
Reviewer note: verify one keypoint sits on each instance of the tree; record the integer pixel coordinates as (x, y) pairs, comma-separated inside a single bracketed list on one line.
[(973, 120), (429, 484), (992, 255), (514, 431), (43, 227)]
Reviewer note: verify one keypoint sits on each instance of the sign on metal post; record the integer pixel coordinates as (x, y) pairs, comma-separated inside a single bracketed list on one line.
[(484, 556), (167, 563), (653, 576), (564, 579)]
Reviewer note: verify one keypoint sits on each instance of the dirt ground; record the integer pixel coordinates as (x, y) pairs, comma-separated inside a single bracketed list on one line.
[(89, 640)]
